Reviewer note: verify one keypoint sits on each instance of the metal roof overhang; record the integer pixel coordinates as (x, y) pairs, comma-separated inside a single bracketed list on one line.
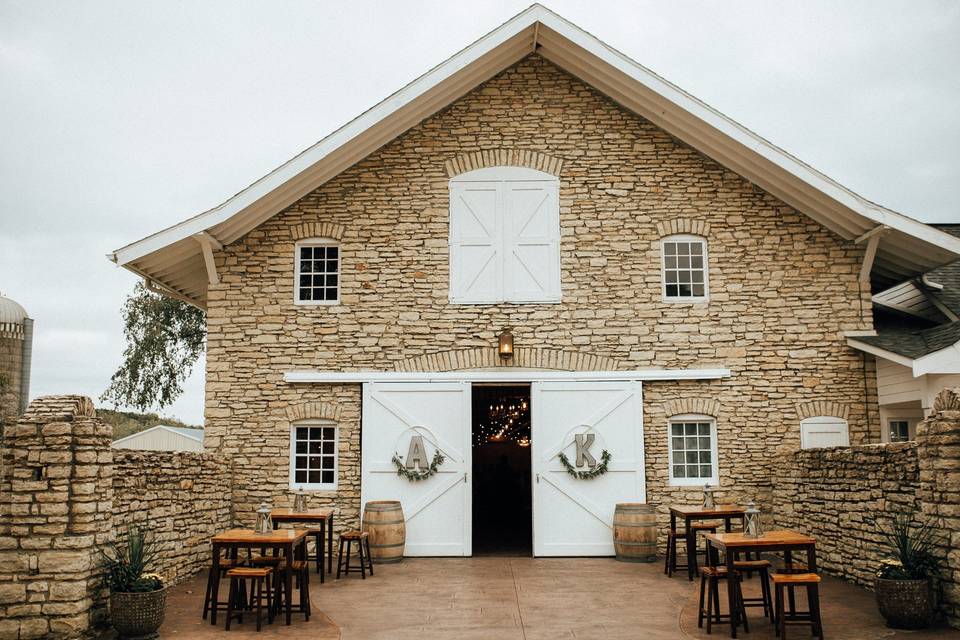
[(173, 259)]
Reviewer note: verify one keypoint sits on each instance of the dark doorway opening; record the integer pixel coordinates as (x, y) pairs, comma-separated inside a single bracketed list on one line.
[(502, 497)]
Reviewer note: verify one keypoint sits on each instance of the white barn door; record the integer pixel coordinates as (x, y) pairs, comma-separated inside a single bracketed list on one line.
[(575, 517), (437, 509)]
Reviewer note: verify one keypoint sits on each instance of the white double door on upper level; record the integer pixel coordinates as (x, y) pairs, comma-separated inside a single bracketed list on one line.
[(571, 517)]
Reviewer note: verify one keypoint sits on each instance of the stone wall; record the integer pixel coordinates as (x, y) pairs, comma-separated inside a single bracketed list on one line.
[(783, 288), (839, 496), (183, 497), (58, 492), (64, 492)]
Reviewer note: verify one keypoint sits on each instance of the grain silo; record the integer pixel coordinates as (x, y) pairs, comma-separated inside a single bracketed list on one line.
[(16, 346)]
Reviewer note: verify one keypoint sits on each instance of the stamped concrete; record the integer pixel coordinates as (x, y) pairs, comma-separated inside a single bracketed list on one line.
[(524, 599)]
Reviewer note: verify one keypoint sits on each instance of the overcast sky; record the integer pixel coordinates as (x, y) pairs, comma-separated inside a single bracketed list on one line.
[(121, 118)]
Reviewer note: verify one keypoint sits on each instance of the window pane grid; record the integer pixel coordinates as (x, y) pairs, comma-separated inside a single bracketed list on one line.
[(691, 450), (899, 431), (314, 460), (684, 270), (318, 276)]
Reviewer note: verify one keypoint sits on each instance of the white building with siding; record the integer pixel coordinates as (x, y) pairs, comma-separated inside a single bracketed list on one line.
[(163, 438)]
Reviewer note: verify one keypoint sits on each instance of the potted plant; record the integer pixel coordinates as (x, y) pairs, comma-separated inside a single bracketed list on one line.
[(904, 586), (137, 598)]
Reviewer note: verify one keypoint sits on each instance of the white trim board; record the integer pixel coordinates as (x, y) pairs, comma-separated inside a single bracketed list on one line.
[(944, 361), (507, 375)]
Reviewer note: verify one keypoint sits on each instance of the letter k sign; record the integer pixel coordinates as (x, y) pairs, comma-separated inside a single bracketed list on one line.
[(583, 441)]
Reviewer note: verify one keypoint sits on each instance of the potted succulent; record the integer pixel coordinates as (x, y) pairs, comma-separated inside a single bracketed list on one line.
[(904, 585), (137, 598)]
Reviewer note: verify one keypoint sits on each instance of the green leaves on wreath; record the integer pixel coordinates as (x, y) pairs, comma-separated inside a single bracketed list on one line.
[(416, 476), (598, 470)]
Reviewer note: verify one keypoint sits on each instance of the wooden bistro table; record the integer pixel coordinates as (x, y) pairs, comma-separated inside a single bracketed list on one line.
[(322, 517), (286, 541), (689, 513), (734, 543)]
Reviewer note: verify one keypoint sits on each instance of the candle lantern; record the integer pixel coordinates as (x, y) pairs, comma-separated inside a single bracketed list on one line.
[(505, 344), (300, 501), (264, 521), (708, 502), (751, 524)]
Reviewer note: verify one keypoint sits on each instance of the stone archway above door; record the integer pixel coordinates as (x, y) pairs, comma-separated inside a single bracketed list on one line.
[(503, 158), (523, 358)]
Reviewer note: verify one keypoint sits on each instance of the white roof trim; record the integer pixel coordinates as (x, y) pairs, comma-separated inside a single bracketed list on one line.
[(911, 248), (946, 360), (159, 427), (488, 375)]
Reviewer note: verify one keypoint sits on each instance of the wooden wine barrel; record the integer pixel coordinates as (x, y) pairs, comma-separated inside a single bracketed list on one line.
[(635, 532), (383, 521)]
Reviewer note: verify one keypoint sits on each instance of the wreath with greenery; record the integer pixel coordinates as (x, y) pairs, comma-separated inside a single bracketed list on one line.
[(598, 470), (414, 475)]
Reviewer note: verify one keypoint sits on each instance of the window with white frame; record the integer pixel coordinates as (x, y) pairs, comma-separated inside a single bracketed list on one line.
[(692, 447), (313, 455), (684, 268), (317, 272), (899, 430)]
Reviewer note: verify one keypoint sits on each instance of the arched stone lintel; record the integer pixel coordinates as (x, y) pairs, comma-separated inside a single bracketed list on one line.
[(523, 357), (313, 411), (503, 158), (307, 230), (683, 225), (822, 408), (686, 406)]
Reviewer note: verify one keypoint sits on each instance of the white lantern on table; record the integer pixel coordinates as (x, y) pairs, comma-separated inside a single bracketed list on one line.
[(264, 521), (751, 522)]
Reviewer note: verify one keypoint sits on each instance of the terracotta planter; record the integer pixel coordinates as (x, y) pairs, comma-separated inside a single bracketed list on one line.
[(137, 616), (905, 604)]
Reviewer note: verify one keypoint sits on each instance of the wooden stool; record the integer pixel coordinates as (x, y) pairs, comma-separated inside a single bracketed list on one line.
[(211, 598), (788, 568), (301, 574), (710, 578), (763, 568), (791, 616), (258, 576), (319, 551), (670, 559), (363, 545)]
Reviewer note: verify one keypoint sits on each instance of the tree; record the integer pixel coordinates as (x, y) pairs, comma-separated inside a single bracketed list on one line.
[(164, 339)]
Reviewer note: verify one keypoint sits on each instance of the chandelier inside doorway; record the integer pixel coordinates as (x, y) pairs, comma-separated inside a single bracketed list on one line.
[(504, 418)]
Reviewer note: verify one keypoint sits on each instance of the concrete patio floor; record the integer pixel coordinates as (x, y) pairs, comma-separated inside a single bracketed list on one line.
[(507, 598)]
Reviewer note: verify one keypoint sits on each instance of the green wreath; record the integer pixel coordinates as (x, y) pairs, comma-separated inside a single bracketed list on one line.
[(598, 470), (417, 476)]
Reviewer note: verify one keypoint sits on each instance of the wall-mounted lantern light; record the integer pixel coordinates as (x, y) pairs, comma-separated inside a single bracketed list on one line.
[(505, 344)]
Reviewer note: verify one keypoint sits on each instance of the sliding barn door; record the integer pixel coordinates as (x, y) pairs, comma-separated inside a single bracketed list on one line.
[(436, 414), (574, 517)]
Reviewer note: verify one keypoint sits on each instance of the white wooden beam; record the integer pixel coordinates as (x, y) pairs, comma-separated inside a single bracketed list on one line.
[(508, 375), (879, 229), (207, 244), (163, 291), (868, 256)]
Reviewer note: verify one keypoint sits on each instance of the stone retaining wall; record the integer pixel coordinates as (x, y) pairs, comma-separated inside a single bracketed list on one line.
[(184, 497), (839, 495)]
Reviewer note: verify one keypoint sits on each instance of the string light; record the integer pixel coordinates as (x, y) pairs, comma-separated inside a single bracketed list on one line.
[(507, 420)]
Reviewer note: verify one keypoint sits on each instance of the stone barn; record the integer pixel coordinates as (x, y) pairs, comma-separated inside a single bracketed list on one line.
[(536, 281)]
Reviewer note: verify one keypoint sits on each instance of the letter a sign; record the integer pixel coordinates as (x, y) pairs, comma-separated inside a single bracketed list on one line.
[(417, 454), (583, 441)]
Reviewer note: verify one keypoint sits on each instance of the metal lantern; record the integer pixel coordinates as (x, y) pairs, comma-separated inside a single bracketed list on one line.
[(751, 524), (264, 521), (505, 344), (300, 501), (708, 502)]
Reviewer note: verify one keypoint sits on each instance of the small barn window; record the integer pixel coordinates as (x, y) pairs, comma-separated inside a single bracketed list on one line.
[(684, 269), (823, 431), (899, 430), (692, 447), (313, 455), (317, 272)]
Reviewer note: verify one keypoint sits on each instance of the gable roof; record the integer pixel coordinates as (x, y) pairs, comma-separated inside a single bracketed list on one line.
[(192, 434), (174, 257)]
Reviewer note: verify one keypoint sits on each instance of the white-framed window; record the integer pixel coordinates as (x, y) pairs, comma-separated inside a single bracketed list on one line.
[(692, 450), (899, 430), (504, 236), (824, 431), (313, 455), (684, 269), (316, 277)]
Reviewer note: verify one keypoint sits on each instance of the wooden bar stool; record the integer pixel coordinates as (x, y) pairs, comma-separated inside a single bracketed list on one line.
[(363, 545), (765, 600), (258, 576), (811, 617), (710, 578), (212, 597), (317, 556), (790, 568), (301, 575), (679, 537)]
